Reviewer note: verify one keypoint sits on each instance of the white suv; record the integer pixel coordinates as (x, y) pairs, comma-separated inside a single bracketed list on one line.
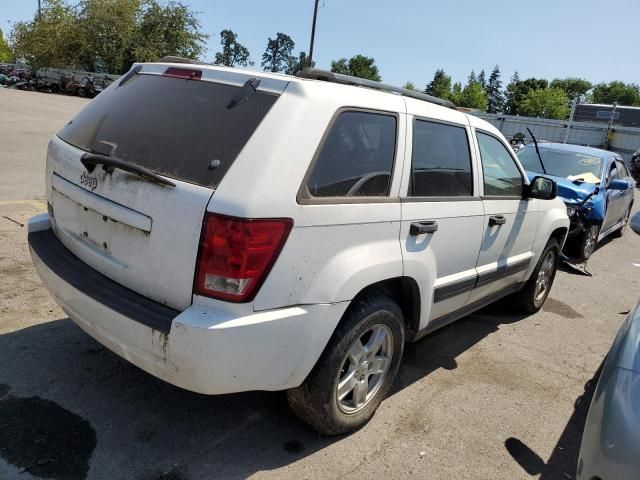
[(230, 230)]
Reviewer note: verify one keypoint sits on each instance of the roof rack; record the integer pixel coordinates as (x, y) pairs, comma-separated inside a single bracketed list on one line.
[(327, 76)]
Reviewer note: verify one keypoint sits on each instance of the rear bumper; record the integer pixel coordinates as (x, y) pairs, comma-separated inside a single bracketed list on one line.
[(201, 349)]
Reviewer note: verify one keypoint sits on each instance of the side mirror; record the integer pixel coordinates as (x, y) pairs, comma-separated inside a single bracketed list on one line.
[(634, 223), (617, 184), (543, 188)]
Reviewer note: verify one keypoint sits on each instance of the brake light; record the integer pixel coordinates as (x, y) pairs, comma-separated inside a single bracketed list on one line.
[(186, 73), (236, 255)]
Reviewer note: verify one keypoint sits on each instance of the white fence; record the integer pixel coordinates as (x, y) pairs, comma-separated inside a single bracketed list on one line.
[(623, 140)]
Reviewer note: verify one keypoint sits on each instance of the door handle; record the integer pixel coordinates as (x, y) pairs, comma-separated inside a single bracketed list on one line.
[(497, 220), (419, 228)]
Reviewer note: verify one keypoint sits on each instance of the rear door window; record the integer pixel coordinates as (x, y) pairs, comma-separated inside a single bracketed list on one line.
[(179, 128), (440, 161), (356, 158)]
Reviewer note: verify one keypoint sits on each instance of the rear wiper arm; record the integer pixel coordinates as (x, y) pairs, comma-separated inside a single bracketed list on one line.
[(90, 160)]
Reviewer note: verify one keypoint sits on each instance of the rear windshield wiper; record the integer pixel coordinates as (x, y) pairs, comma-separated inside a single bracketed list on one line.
[(243, 94), (90, 160)]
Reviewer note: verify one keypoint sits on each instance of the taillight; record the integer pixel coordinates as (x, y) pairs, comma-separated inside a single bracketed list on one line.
[(236, 255), (186, 73)]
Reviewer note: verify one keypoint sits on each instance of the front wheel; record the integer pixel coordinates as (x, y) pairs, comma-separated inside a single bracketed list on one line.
[(356, 369), (588, 242), (536, 290)]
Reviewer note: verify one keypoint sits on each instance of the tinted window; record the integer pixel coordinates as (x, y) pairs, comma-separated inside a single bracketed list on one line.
[(173, 126), (440, 162), (356, 158), (501, 175)]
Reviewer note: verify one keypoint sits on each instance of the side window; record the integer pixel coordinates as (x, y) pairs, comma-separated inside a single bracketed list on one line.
[(501, 175), (356, 159), (440, 162), (613, 171), (622, 169)]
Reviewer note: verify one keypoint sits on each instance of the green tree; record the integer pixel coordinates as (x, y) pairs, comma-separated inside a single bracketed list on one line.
[(357, 66), (473, 96), (495, 99), (546, 103), (472, 78), (624, 94), (6, 54), (299, 63), (113, 33), (440, 86), (277, 56), (456, 93), (482, 79), (51, 40), (575, 88), (340, 66), (233, 53), (511, 96), (160, 30), (409, 86), (517, 89)]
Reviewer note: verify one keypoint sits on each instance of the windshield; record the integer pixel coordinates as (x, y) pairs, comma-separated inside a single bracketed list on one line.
[(562, 163), (181, 129)]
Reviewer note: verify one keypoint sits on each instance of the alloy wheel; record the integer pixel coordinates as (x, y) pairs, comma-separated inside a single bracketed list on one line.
[(591, 240), (543, 282), (364, 369)]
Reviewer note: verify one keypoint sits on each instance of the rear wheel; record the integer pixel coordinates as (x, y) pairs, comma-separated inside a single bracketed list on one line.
[(536, 290), (356, 369)]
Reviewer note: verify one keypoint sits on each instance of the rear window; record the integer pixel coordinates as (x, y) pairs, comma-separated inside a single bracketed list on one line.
[(356, 159), (175, 127)]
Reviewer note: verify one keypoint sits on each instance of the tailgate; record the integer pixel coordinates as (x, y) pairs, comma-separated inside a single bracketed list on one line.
[(141, 234)]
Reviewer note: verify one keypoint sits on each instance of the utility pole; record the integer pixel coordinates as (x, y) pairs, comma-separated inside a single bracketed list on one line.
[(573, 113), (313, 32), (609, 134), (39, 9)]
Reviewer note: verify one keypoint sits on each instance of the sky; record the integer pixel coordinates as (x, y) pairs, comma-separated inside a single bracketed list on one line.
[(410, 39)]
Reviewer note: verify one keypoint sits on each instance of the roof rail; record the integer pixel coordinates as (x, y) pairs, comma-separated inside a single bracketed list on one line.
[(327, 76), (174, 59)]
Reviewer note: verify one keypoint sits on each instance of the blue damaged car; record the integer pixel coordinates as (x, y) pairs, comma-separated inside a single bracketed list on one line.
[(594, 184)]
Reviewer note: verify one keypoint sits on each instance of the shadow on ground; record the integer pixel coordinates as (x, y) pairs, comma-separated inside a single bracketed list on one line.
[(58, 386), (564, 458)]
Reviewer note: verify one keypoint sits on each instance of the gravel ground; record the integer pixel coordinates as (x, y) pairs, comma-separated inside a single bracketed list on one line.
[(496, 395)]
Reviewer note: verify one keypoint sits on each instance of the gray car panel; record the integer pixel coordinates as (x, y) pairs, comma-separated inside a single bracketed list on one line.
[(611, 442)]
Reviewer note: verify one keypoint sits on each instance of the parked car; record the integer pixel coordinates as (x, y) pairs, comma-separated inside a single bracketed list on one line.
[(229, 230), (595, 186), (635, 167), (610, 447)]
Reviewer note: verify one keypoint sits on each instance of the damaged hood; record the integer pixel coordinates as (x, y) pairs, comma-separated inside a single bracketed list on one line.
[(568, 191)]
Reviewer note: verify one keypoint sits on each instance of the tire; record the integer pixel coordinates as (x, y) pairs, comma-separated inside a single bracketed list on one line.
[(587, 242), (620, 232), (317, 402), (530, 299)]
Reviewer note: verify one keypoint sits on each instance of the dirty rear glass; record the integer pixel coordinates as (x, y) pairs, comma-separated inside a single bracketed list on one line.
[(175, 127), (562, 163)]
